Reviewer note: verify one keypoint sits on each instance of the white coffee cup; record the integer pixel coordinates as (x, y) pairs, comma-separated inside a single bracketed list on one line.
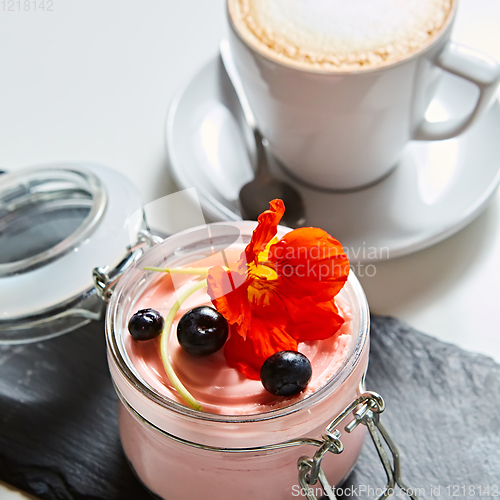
[(347, 129)]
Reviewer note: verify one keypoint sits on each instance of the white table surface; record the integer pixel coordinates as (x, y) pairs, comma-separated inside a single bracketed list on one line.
[(93, 79)]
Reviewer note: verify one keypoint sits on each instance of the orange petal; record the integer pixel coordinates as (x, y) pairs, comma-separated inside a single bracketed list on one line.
[(264, 338), (309, 320), (228, 291), (266, 230), (271, 312), (310, 262)]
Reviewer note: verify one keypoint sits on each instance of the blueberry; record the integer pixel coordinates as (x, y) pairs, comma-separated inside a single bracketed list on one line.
[(146, 324), (286, 373), (202, 331)]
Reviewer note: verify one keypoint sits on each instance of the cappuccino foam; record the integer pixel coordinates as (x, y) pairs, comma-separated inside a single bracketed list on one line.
[(339, 34)]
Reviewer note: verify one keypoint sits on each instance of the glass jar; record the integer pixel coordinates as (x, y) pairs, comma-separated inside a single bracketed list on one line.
[(57, 223), (182, 453)]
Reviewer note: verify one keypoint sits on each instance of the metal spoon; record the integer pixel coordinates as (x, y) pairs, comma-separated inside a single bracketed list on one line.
[(256, 194)]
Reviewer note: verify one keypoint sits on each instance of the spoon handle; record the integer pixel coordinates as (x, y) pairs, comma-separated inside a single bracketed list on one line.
[(262, 168), (234, 77)]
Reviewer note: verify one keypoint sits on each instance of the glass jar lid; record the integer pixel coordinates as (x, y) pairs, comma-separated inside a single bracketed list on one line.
[(57, 223)]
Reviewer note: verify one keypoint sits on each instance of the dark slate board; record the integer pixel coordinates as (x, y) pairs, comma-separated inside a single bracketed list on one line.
[(443, 412), (59, 437), (58, 432)]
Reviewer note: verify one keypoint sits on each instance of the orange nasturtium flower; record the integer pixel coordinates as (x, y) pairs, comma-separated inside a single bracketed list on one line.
[(279, 293)]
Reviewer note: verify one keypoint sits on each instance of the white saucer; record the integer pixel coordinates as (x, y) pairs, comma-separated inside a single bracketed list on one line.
[(437, 189)]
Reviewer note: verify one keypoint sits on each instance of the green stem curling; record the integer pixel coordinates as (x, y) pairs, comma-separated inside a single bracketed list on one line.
[(165, 335), (199, 271)]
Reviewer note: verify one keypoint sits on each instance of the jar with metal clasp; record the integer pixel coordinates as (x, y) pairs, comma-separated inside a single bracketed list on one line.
[(74, 247)]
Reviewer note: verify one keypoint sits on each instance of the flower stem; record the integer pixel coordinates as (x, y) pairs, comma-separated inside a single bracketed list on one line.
[(199, 271), (165, 335)]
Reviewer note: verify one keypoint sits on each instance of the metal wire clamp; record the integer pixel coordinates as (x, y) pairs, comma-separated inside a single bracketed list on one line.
[(105, 279), (366, 410)]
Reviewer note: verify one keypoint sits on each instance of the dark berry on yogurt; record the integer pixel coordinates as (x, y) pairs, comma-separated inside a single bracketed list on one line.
[(146, 324), (202, 331), (286, 373)]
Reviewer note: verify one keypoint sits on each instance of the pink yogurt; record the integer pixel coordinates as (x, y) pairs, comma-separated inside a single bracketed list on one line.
[(218, 387), (180, 453)]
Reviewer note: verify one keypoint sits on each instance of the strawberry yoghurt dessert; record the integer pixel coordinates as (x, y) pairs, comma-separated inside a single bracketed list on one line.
[(233, 348), (218, 387)]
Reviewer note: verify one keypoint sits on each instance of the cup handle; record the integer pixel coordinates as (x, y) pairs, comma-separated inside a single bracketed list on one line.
[(474, 66)]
